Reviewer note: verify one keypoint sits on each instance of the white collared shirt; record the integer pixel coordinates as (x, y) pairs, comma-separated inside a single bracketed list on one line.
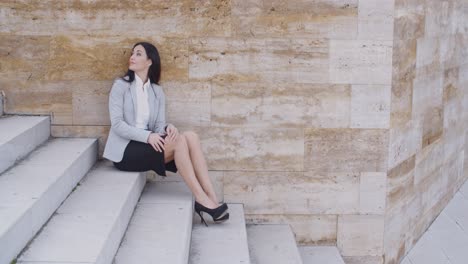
[(142, 114)]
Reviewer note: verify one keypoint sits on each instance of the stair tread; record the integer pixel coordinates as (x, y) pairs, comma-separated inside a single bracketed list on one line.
[(160, 229), (320, 254), (33, 189), (271, 244), (89, 225), (220, 243), (19, 135)]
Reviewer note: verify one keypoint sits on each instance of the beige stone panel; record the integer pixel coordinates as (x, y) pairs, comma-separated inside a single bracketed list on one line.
[(428, 56), (375, 19), (98, 132), (104, 58), (39, 97), (401, 107), (188, 104), (432, 189), (409, 19), (91, 102), (428, 160), (341, 150), (439, 15), (207, 17), (361, 61), (404, 60), (269, 60), (370, 106), (23, 58), (400, 185), (452, 90), (372, 194), (336, 19), (453, 170), (363, 260), (405, 141), (454, 128), (360, 235), (293, 193), (263, 105), (308, 229), (450, 51), (253, 149)]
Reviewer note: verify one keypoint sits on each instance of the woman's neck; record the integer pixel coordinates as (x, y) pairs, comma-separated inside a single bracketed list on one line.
[(143, 76)]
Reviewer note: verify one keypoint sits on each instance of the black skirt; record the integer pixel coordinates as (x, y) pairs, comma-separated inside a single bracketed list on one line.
[(139, 156)]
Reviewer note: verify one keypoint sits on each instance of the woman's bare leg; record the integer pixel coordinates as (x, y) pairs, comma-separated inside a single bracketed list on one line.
[(180, 152), (199, 164)]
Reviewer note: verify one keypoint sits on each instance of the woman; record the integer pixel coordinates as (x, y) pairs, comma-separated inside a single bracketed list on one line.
[(140, 139)]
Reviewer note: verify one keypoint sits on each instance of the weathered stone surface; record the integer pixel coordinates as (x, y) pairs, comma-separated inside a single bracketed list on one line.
[(39, 97), (428, 160), (350, 240), (91, 102), (293, 193), (269, 60), (372, 194), (99, 132), (405, 141), (316, 19), (188, 104), (363, 260), (261, 105), (400, 184), (376, 19), (370, 106), (23, 57), (428, 56), (341, 150), (361, 61), (409, 19), (308, 229)]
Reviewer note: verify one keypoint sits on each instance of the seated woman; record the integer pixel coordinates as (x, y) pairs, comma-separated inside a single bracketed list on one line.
[(140, 140)]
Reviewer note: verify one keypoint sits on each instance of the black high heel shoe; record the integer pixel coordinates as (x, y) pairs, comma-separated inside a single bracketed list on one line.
[(218, 214)]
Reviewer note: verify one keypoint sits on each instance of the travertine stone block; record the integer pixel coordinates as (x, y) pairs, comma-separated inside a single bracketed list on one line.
[(91, 102), (401, 103), (160, 17), (24, 58), (404, 60), (340, 150), (350, 240), (308, 229), (104, 58), (427, 107), (253, 149), (409, 19), (361, 61), (39, 97), (363, 260), (263, 105), (454, 128), (370, 106), (293, 193), (99, 132), (428, 160), (372, 194), (428, 56), (376, 19), (313, 19), (405, 141), (451, 86), (439, 15), (188, 104), (269, 60), (400, 184)]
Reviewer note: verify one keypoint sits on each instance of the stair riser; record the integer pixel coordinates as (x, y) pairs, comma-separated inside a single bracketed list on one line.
[(113, 242), (31, 222), (23, 144)]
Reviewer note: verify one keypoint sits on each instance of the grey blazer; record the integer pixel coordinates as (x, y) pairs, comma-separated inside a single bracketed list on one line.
[(122, 110)]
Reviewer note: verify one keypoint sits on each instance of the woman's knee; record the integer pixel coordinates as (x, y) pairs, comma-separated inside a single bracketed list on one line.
[(181, 141), (191, 136)]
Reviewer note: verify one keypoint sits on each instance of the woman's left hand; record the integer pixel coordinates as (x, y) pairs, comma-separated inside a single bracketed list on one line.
[(172, 132)]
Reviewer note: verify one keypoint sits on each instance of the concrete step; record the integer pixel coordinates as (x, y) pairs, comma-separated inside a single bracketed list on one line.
[(320, 254), (19, 135), (220, 243), (161, 226), (272, 244), (89, 225), (34, 188)]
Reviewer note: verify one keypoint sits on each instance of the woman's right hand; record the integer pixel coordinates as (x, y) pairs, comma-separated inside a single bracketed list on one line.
[(156, 141)]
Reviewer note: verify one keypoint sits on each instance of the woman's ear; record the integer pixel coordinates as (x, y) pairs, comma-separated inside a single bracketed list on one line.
[(150, 62)]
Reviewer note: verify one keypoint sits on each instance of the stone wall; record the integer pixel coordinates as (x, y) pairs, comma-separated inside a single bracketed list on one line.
[(428, 118), (300, 115)]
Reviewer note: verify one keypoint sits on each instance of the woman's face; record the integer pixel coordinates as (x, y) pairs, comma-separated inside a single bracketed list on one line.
[(139, 61)]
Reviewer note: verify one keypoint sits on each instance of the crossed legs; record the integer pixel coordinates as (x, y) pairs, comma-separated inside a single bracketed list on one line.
[(187, 153)]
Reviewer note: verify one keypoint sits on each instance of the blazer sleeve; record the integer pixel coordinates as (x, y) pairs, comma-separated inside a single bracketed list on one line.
[(160, 125), (116, 109)]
